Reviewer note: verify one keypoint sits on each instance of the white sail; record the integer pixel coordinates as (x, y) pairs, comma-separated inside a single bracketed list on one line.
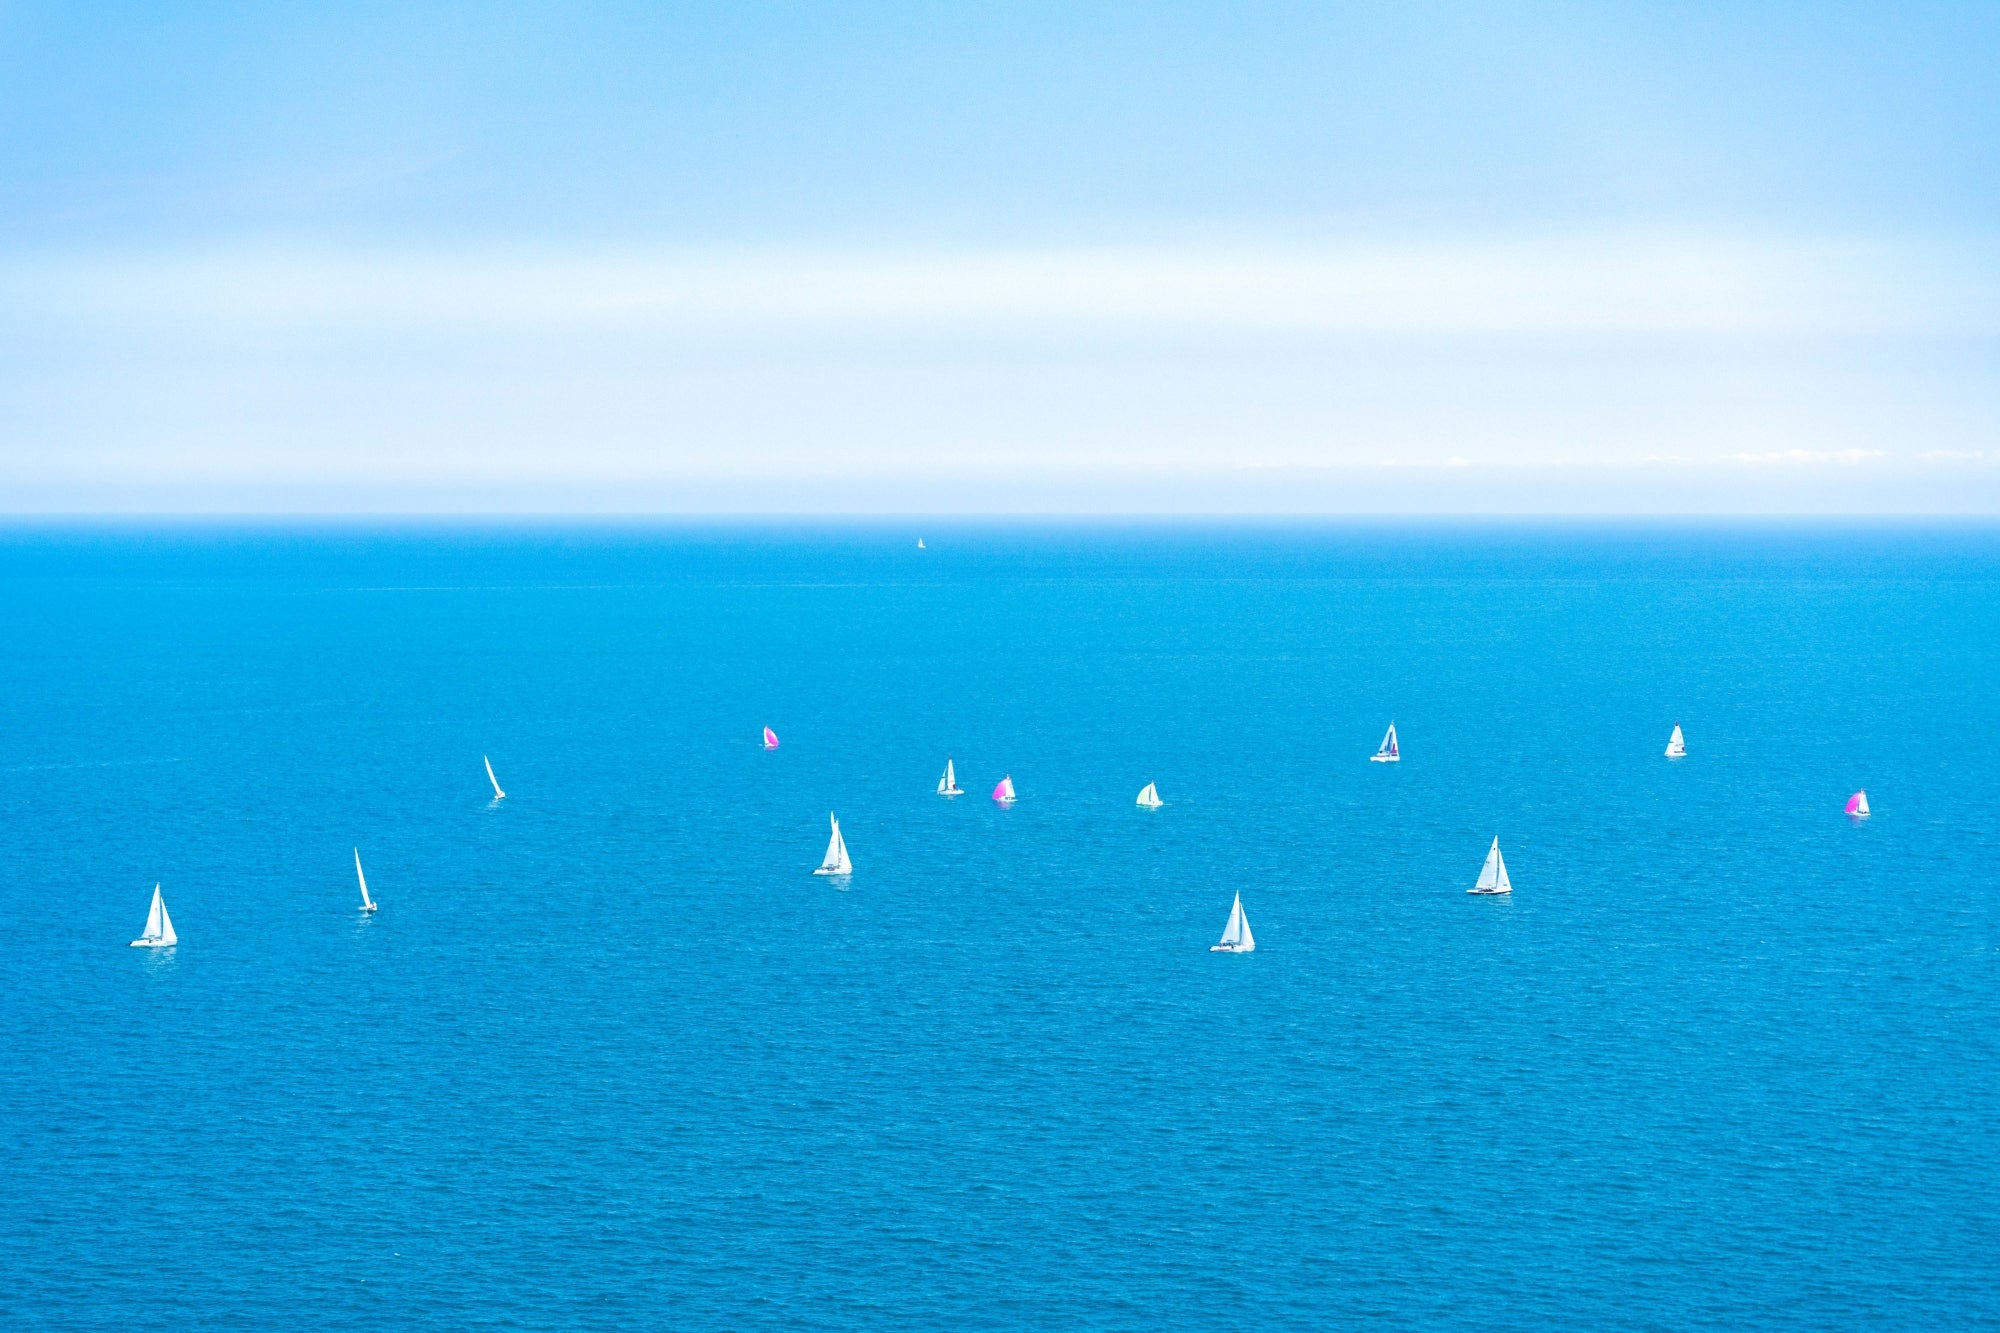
[(948, 784), (1149, 796), (367, 903), (1676, 745), (836, 862), (497, 793), (159, 926), (1388, 754), (1236, 936), (1493, 875)]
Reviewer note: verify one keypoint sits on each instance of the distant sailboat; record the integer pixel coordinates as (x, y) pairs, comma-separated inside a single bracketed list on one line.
[(367, 903), (1857, 805), (1149, 796), (1493, 877), (1676, 745), (1236, 936), (498, 795), (920, 543), (948, 784), (1004, 793), (770, 739), (1388, 754), (159, 926), (836, 862)]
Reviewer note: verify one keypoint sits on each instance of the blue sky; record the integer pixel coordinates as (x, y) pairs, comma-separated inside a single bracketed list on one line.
[(1327, 258)]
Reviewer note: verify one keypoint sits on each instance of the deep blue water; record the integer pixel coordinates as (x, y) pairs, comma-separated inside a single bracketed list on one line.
[(610, 1057)]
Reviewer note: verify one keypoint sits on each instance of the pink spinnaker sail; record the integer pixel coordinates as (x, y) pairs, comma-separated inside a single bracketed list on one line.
[(1857, 804), (770, 739), (1005, 791)]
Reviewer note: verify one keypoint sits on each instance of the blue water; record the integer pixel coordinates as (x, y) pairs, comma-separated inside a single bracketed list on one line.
[(609, 1057)]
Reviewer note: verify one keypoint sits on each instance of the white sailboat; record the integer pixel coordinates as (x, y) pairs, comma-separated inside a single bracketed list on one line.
[(497, 793), (920, 543), (1236, 936), (367, 903), (1388, 754), (1149, 796), (1493, 875), (159, 926), (836, 862), (948, 784), (1677, 744)]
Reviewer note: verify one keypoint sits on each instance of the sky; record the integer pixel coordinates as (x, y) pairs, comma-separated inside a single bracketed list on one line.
[(1070, 258)]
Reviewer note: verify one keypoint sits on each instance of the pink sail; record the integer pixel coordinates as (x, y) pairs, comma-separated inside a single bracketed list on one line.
[(1857, 804), (770, 739), (1005, 791)]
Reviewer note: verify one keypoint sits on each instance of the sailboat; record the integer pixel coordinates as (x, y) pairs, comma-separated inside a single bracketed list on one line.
[(948, 784), (920, 543), (159, 926), (1236, 936), (1857, 805), (1004, 793), (1493, 876), (498, 795), (1677, 747), (1388, 754), (836, 862), (1149, 796), (367, 903), (770, 739)]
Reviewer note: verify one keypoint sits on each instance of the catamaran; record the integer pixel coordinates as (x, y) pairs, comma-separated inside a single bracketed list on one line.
[(1236, 936), (1004, 793), (367, 903), (1676, 745), (1149, 796), (1388, 754), (948, 784), (1493, 876), (497, 793), (836, 862), (770, 739), (1857, 805), (159, 926)]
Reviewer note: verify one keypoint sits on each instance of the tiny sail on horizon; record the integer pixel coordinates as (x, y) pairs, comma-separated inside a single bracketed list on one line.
[(1149, 796), (770, 739), (836, 862), (1236, 936), (1493, 875), (1676, 744), (367, 903), (498, 795), (1004, 792), (1388, 754), (948, 784), (920, 543), (1857, 805), (159, 926)]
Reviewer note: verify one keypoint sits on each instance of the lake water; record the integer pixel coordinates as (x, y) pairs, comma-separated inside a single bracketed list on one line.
[(609, 1056)]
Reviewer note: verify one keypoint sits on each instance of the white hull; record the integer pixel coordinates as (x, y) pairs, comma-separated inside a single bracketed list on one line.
[(1384, 758), (369, 908), (1490, 892), (152, 944), (1231, 948), (824, 871)]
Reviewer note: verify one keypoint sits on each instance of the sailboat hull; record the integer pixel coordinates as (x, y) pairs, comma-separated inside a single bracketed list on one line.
[(1231, 948), (152, 944), (823, 870), (1384, 758), (1490, 892)]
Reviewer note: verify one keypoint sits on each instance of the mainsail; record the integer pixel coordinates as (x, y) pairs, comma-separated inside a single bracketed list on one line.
[(770, 739), (1236, 936), (836, 862), (948, 784), (497, 793), (1149, 796), (1676, 744), (367, 903), (1388, 754), (1493, 875)]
